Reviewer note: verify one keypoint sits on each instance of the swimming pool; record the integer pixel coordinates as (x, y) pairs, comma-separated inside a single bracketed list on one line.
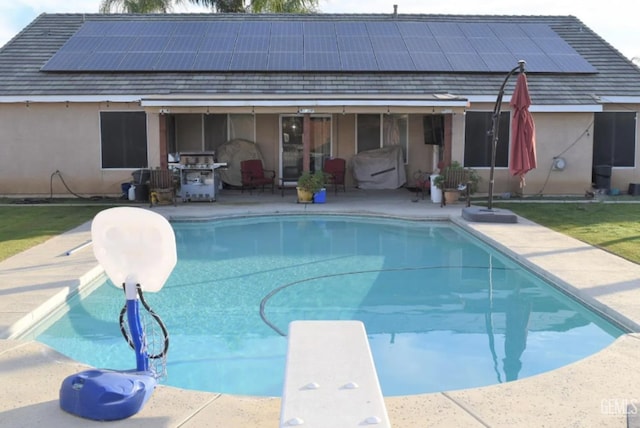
[(442, 310)]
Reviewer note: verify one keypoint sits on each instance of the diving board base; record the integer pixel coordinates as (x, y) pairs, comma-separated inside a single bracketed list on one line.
[(330, 378)]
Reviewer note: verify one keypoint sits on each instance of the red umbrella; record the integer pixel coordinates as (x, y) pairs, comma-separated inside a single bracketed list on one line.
[(523, 137)]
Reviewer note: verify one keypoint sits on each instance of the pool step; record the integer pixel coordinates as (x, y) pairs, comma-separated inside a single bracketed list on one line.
[(330, 378)]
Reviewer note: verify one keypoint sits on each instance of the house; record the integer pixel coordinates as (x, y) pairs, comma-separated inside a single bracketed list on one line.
[(95, 97)]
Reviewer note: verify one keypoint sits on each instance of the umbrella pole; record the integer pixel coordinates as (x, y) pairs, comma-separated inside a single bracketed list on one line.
[(495, 127)]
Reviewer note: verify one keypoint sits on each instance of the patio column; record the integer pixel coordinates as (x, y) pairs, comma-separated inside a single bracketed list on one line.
[(306, 141), (448, 137), (163, 141)]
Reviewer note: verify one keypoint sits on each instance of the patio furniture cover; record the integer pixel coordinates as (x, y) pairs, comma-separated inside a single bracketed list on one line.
[(233, 152), (380, 168)]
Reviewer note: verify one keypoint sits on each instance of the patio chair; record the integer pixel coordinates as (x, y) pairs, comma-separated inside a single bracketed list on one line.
[(335, 169), (254, 175), (162, 187)]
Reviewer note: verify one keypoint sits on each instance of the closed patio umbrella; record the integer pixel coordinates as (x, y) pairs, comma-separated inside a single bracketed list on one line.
[(523, 137)]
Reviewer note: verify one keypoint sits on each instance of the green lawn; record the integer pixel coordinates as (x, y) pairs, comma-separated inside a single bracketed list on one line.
[(612, 227), (26, 226)]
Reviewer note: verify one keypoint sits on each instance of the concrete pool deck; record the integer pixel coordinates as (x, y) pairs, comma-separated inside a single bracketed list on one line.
[(593, 392)]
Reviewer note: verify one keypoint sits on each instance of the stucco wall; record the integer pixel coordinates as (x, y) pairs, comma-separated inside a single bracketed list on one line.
[(39, 139), (569, 135)]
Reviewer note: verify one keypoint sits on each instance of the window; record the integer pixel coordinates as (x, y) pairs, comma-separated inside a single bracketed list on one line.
[(124, 139), (614, 139), (382, 130), (477, 143)]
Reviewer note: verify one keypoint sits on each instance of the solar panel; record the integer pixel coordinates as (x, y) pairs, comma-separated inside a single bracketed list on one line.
[(422, 44), (184, 44), (388, 44), (430, 61), (322, 61), (445, 29), (285, 62), (507, 30), (394, 61), (212, 61), (99, 61), (500, 62), (486, 45), (218, 44), (157, 28), (354, 44), (522, 46), (176, 61), (149, 44), (467, 62), (243, 61), (351, 28), (139, 61), (312, 45), (539, 63), (223, 28), (456, 45), (252, 44), (570, 61), (95, 28), (81, 44), (383, 29), (286, 44), (414, 29), (358, 61), (476, 29), (114, 44), (319, 29), (320, 44), (68, 61), (256, 28), (291, 29), (192, 28)]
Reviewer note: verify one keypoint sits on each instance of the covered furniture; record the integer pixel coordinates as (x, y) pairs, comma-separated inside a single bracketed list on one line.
[(380, 168), (162, 187), (254, 175), (335, 169)]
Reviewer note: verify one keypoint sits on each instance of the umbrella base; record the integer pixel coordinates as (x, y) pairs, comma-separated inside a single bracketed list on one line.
[(486, 215)]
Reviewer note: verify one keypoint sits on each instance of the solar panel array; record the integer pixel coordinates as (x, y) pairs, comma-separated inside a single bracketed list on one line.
[(267, 45)]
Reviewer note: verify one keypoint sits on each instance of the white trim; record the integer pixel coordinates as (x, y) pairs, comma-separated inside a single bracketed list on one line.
[(605, 99), (566, 108), (299, 103), (71, 99), (487, 98)]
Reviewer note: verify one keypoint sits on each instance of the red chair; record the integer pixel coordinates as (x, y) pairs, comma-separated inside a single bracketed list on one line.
[(253, 175), (335, 169)]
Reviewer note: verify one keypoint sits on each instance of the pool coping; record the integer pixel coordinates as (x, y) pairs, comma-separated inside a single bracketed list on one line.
[(592, 392)]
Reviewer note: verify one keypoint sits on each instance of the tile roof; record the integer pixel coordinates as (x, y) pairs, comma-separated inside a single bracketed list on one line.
[(22, 58)]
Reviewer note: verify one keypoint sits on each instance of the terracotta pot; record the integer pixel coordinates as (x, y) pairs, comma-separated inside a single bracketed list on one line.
[(452, 196)]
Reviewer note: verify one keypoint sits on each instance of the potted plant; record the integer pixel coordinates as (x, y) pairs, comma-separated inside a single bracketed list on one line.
[(454, 179), (310, 184)]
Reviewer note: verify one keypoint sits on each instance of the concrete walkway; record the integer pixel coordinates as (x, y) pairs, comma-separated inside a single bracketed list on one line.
[(593, 392)]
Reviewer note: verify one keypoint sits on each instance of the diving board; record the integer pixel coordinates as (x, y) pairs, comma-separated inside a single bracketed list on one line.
[(330, 378)]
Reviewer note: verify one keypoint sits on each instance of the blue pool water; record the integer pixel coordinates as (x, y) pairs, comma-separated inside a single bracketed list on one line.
[(442, 310)]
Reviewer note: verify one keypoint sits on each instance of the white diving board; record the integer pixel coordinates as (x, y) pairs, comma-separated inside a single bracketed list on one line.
[(330, 379)]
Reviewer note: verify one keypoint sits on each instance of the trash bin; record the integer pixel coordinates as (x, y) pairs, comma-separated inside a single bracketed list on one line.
[(141, 176), (142, 192), (602, 176), (125, 190)]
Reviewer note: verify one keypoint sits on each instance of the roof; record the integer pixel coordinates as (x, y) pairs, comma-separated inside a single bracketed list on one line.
[(22, 60)]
